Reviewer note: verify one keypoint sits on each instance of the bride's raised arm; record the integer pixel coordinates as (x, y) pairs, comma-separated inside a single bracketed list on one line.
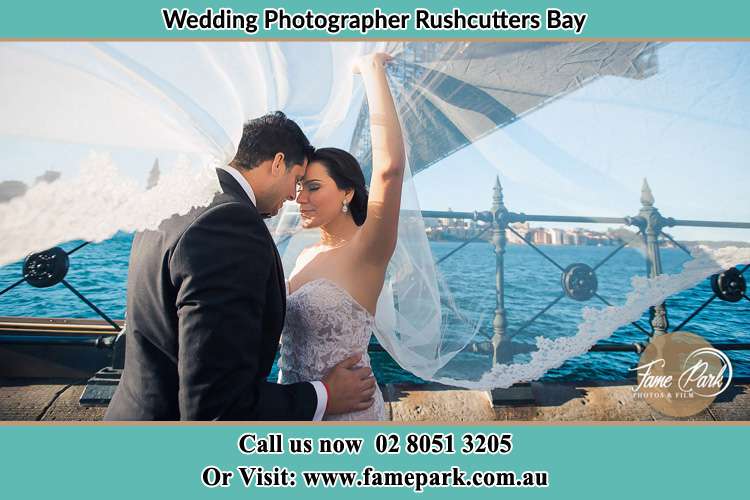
[(379, 232)]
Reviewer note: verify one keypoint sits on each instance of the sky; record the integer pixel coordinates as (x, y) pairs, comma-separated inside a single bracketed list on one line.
[(686, 129)]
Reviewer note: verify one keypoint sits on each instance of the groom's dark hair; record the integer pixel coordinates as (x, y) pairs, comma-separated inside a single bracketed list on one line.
[(273, 133)]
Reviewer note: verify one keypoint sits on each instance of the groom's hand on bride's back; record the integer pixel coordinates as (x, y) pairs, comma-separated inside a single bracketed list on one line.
[(349, 388)]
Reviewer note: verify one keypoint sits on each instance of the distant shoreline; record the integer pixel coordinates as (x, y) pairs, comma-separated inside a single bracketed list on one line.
[(689, 244)]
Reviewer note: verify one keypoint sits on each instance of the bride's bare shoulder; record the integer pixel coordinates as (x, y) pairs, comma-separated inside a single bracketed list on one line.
[(302, 263)]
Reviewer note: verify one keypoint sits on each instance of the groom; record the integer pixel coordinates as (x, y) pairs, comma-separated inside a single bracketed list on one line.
[(206, 302)]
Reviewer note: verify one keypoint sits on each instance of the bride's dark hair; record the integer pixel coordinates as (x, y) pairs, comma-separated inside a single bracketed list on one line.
[(345, 171)]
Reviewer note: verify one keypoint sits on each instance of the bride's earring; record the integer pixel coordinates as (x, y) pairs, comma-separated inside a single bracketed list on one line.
[(344, 207)]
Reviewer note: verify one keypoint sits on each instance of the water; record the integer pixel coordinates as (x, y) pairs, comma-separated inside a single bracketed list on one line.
[(99, 271)]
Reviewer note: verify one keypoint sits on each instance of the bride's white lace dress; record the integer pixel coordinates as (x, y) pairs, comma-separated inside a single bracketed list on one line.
[(324, 325)]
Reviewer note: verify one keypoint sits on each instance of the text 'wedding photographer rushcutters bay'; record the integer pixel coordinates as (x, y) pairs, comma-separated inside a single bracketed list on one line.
[(362, 23)]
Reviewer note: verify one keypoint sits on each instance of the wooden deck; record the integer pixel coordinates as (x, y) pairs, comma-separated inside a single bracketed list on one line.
[(24, 396), (23, 399)]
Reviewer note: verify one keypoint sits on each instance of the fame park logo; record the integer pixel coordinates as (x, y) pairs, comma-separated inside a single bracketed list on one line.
[(680, 374)]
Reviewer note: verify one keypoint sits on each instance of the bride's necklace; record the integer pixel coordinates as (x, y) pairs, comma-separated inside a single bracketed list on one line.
[(326, 246), (334, 245)]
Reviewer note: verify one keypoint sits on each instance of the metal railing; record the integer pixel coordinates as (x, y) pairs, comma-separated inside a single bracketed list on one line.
[(49, 268), (579, 281), (57, 331)]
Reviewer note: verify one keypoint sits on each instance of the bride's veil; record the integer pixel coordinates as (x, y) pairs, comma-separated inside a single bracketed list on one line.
[(99, 113)]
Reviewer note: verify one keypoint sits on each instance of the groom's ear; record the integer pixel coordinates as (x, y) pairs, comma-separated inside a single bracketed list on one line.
[(278, 165)]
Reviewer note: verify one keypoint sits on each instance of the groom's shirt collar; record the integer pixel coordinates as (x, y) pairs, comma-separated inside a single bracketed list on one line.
[(242, 182)]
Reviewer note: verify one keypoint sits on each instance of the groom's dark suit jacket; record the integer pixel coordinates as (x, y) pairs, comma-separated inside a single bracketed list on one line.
[(205, 307)]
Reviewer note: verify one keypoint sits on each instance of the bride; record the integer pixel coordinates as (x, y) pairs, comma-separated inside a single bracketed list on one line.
[(334, 287)]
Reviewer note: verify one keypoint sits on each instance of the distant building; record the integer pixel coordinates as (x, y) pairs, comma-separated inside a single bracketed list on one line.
[(556, 236), (449, 228), (521, 228), (153, 176), (541, 237), (571, 237), (11, 189), (49, 176)]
